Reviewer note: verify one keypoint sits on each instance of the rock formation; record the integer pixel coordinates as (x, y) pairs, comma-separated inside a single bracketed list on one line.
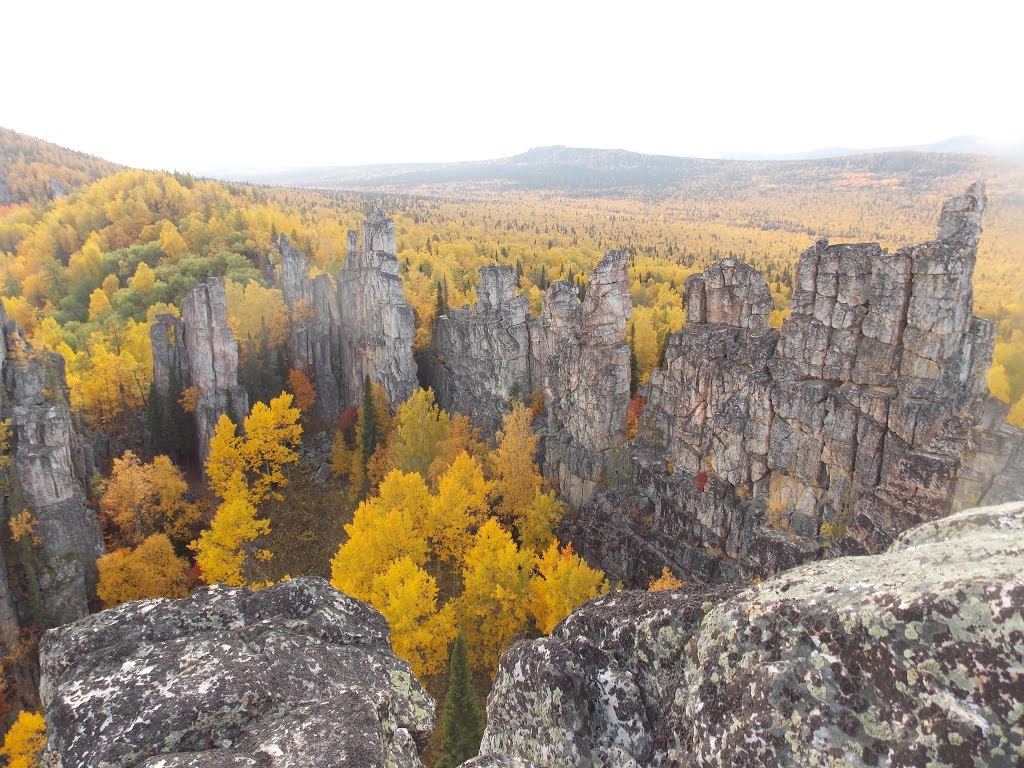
[(297, 674), (480, 355), (201, 351), (49, 576), (911, 657), (580, 354), (377, 323), (315, 336), (761, 448)]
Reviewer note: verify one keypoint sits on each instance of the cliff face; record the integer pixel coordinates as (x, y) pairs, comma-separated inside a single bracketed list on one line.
[(315, 335), (297, 674), (201, 351), (378, 325), (761, 448), (480, 355), (52, 574), (581, 356), (910, 657)]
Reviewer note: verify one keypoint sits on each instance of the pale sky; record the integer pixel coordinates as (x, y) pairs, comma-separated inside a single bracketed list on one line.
[(205, 86)]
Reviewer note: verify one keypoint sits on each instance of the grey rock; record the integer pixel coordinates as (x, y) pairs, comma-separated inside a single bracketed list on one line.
[(50, 581), (378, 325), (581, 356), (910, 657), (852, 423), (480, 355), (212, 356), (314, 343), (297, 674)]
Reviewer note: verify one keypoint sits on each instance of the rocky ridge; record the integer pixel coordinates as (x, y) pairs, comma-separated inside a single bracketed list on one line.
[(297, 674), (48, 575), (201, 352), (479, 357), (378, 324), (761, 448), (315, 333), (911, 657)]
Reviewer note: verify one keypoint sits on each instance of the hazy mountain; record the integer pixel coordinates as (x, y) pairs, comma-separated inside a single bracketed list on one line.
[(32, 169)]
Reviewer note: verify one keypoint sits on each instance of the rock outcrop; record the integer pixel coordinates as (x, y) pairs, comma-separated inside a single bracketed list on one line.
[(760, 448), (49, 576), (912, 657), (377, 323), (297, 674), (479, 358), (580, 354), (201, 352), (315, 334)]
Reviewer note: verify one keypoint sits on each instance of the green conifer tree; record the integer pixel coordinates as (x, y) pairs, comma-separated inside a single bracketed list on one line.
[(463, 717)]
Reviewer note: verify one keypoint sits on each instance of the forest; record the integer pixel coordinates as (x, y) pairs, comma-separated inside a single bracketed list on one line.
[(446, 532)]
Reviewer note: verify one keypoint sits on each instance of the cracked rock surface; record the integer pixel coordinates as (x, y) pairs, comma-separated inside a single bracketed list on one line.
[(859, 418), (912, 657), (297, 674)]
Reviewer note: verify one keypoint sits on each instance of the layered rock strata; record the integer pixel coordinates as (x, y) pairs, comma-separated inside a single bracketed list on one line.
[(479, 358), (315, 334), (579, 353), (49, 572), (377, 323), (201, 351), (761, 448), (297, 674), (911, 657)]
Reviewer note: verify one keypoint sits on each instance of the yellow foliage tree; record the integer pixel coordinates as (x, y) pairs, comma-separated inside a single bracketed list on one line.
[(144, 278), (999, 383), (420, 429), (563, 581), (256, 314), (302, 389), (420, 634), (171, 241), (462, 437), (377, 536), (150, 570), (144, 499), (536, 525), (496, 585), (25, 740), (458, 509), (253, 467), (667, 580), (223, 549), (516, 477), (1016, 415), (99, 304)]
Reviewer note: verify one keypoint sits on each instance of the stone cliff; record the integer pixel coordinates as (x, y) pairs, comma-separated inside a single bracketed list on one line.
[(297, 674), (202, 353), (315, 334), (581, 358), (377, 323), (911, 657), (480, 355), (760, 448), (49, 575)]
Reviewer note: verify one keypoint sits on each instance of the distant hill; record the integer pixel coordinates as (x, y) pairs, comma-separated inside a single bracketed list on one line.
[(578, 171), (33, 170)]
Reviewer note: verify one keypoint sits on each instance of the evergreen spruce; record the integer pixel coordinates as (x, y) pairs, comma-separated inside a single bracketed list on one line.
[(463, 717), (634, 363)]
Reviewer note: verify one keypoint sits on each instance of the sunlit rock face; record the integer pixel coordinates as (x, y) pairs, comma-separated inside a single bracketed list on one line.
[(856, 420), (211, 353), (314, 344), (909, 657), (297, 674), (582, 360), (49, 574), (377, 323), (479, 359)]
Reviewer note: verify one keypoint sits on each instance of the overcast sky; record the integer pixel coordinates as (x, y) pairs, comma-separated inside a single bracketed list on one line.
[(211, 85)]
